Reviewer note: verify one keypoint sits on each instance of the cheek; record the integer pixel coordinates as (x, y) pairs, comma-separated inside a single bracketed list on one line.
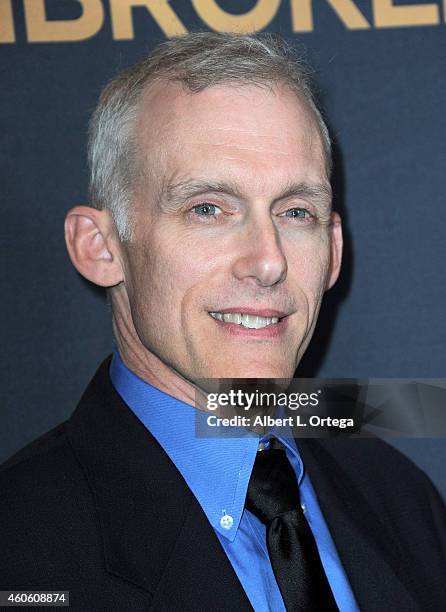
[(169, 275), (308, 265)]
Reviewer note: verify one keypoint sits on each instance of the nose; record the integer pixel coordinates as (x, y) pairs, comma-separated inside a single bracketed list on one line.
[(261, 256)]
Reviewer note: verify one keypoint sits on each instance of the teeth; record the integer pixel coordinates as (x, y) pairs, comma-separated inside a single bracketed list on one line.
[(249, 321)]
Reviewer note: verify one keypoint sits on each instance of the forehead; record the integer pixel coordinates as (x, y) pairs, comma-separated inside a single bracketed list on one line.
[(249, 133)]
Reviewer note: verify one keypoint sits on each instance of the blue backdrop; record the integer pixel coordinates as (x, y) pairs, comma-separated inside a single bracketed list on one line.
[(381, 68)]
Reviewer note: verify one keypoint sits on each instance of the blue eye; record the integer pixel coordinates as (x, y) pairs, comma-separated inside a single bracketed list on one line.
[(297, 213), (206, 209)]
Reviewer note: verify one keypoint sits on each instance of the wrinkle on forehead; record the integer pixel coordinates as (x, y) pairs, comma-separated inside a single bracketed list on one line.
[(253, 149), (168, 105)]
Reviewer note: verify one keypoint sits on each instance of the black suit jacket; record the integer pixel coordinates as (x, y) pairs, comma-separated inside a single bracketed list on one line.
[(97, 508)]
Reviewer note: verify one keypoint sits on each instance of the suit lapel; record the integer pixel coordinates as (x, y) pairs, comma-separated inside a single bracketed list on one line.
[(208, 581), (367, 547), (154, 533)]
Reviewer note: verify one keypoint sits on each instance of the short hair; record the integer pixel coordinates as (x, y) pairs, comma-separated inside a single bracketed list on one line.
[(197, 61)]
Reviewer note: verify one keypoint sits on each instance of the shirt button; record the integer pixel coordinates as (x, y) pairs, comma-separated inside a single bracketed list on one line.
[(304, 508), (226, 521), (263, 446)]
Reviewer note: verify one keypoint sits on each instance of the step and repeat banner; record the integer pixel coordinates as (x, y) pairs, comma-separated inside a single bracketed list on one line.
[(381, 68)]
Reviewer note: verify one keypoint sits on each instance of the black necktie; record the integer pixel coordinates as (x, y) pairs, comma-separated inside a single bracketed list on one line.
[(273, 496)]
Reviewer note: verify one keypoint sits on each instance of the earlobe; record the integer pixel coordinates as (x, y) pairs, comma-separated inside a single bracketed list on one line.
[(336, 244), (93, 245)]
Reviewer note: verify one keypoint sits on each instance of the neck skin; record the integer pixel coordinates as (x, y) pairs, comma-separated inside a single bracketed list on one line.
[(141, 361)]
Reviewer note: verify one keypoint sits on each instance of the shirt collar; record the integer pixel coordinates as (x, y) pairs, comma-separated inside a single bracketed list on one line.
[(217, 469)]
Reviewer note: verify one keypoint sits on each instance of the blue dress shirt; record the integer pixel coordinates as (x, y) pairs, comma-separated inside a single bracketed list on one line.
[(217, 470)]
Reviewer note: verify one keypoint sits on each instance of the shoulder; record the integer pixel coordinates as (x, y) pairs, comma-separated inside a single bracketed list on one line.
[(41, 445), (48, 460), (44, 471), (46, 509), (363, 458), (373, 473)]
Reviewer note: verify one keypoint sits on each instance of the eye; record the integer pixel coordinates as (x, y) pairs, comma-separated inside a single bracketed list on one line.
[(298, 213), (206, 209)]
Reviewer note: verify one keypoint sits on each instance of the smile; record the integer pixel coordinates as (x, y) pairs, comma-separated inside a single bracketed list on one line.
[(245, 320)]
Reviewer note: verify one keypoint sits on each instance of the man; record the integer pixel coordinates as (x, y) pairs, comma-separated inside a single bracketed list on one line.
[(212, 231)]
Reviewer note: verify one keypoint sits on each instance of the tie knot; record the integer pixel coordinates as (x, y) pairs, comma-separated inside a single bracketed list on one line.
[(272, 489)]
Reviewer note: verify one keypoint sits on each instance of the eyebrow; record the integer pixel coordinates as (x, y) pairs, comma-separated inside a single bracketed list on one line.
[(319, 194), (174, 195)]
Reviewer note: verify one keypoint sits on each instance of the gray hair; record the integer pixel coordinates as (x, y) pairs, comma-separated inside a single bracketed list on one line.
[(197, 60)]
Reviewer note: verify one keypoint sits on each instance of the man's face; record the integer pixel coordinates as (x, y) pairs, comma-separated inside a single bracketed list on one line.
[(231, 250)]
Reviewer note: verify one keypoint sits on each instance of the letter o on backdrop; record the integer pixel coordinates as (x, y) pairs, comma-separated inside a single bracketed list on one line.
[(254, 20)]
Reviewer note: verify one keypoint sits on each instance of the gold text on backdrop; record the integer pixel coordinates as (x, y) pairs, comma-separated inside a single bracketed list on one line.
[(41, 29)]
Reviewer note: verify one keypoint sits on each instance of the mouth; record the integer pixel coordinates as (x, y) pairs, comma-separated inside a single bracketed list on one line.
[(249, 320)]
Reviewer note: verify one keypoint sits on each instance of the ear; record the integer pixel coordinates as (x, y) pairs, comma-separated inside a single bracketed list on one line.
[(336, 243), (93, 245)]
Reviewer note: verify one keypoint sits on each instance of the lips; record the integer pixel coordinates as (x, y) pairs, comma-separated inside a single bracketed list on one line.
[(254, 320)]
